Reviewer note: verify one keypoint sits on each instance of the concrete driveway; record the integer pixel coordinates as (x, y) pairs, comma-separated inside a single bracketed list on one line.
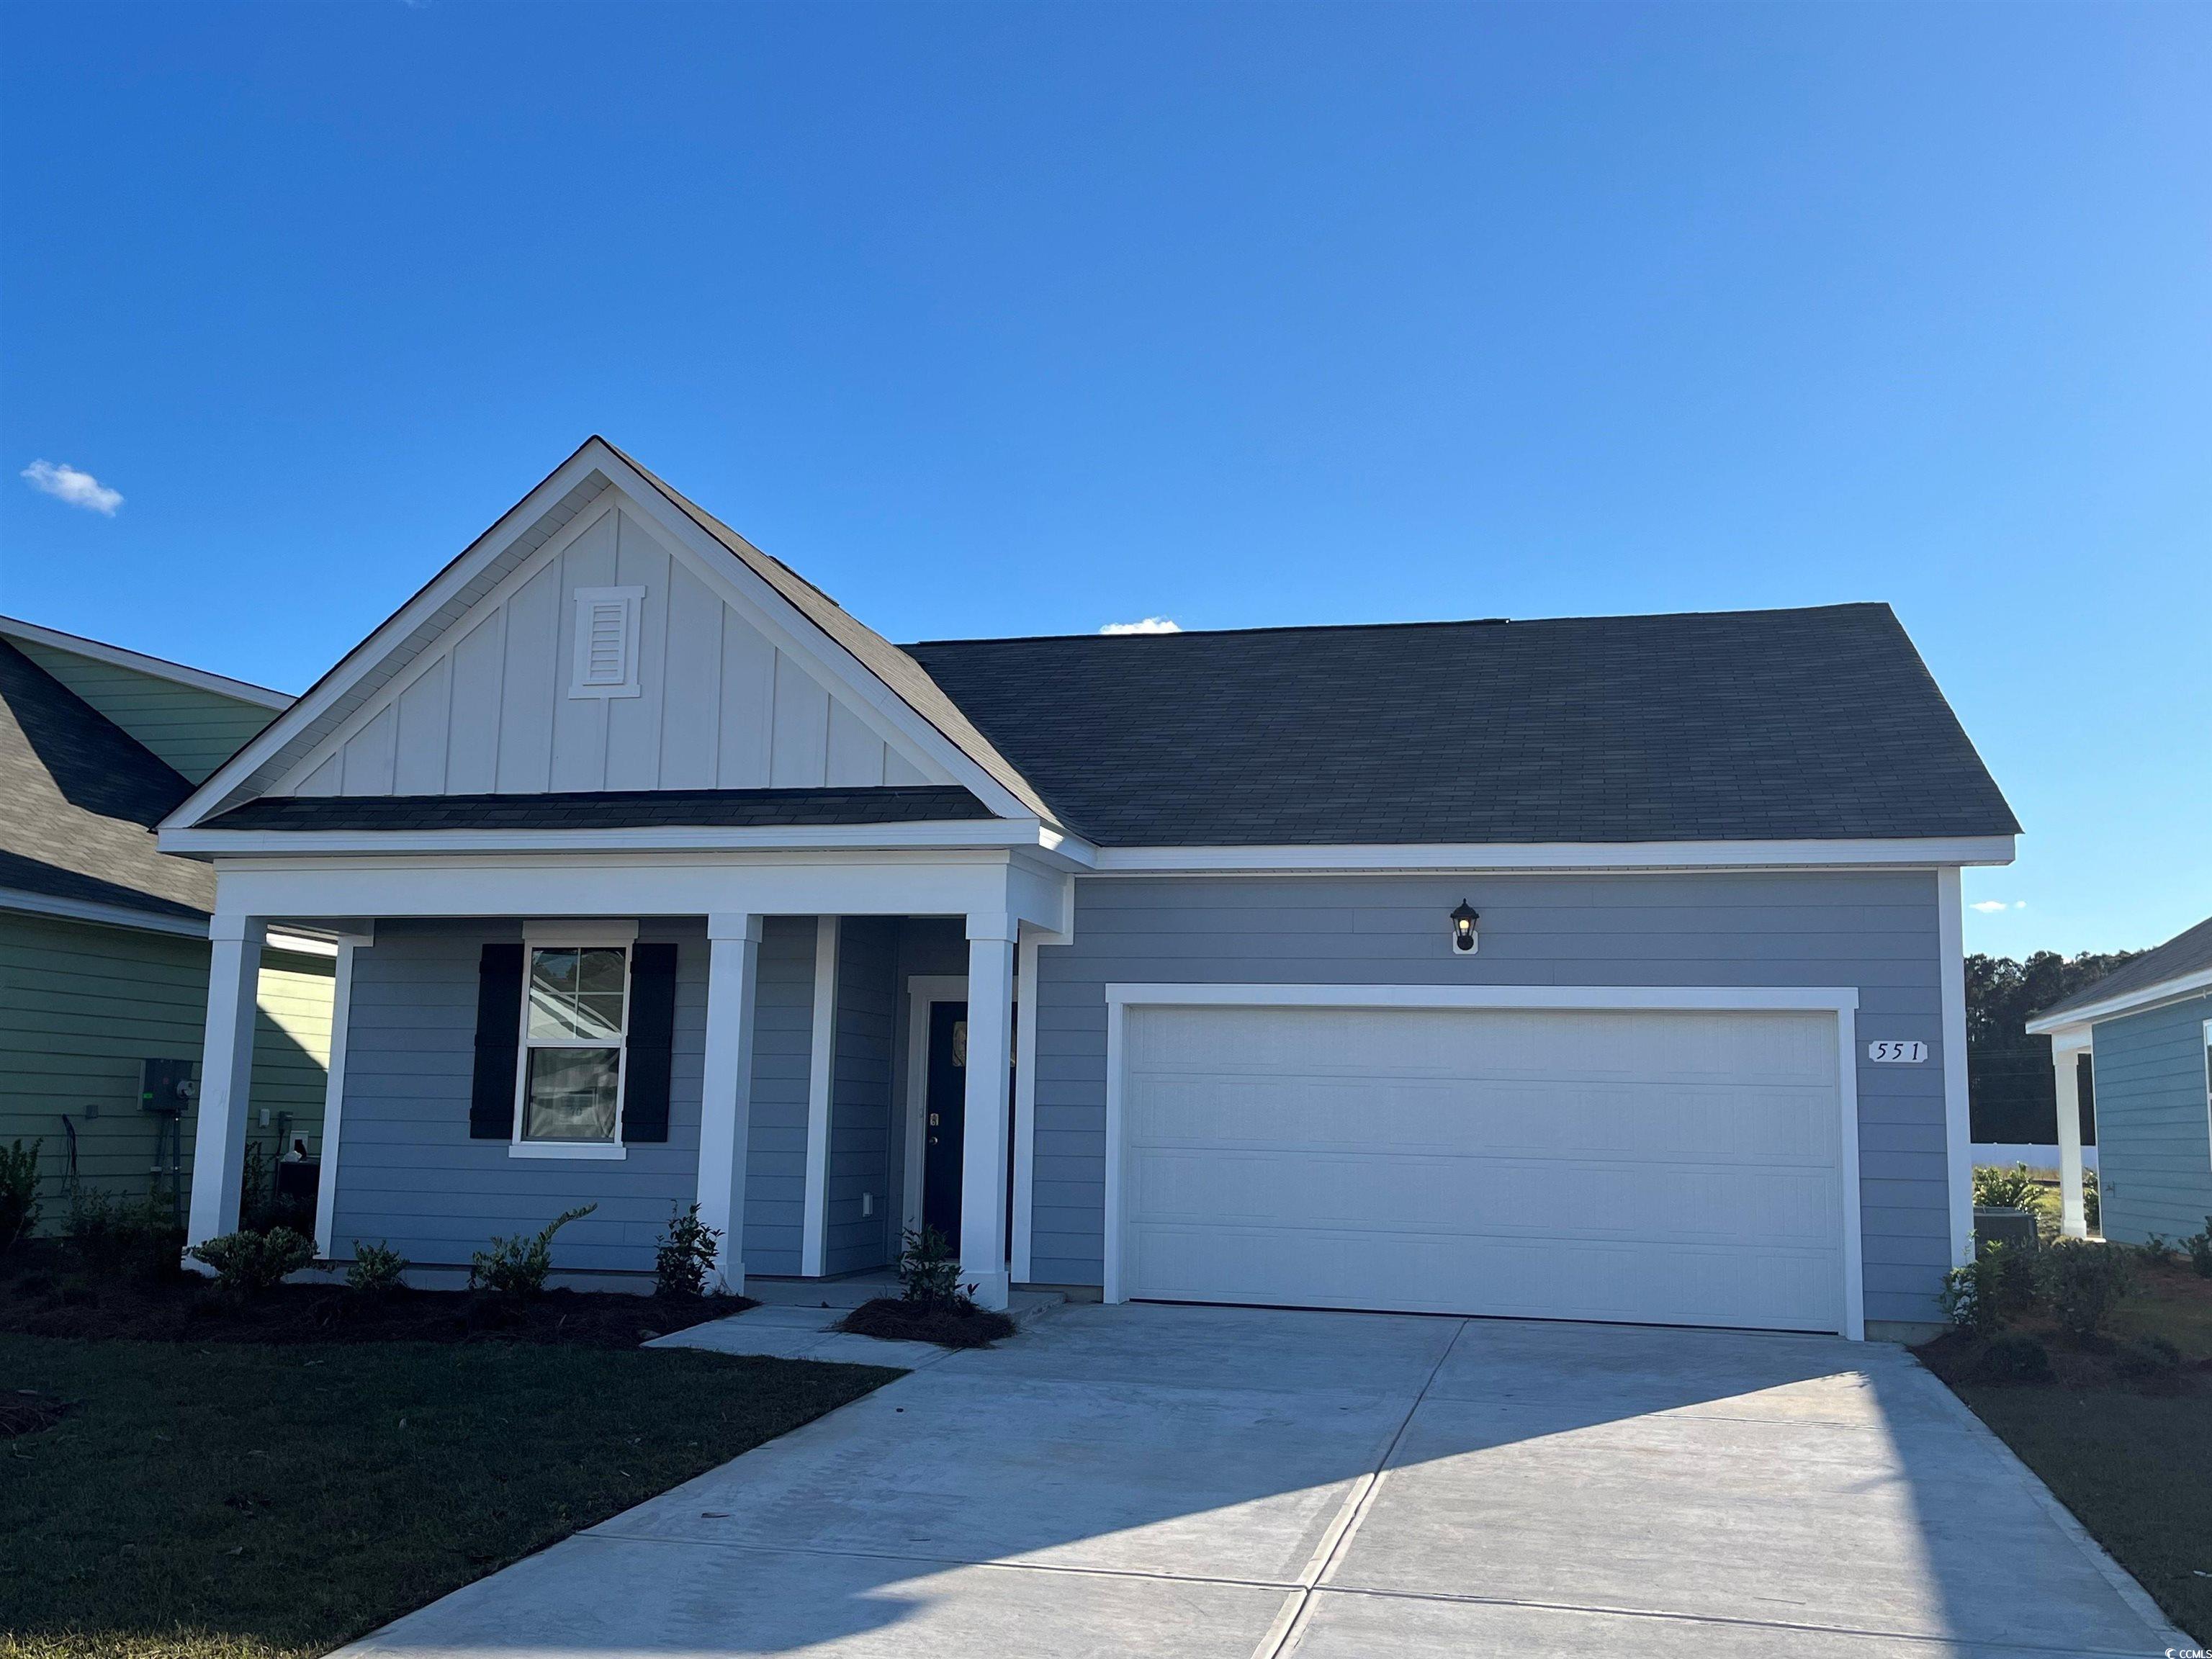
[(1208, 1481)]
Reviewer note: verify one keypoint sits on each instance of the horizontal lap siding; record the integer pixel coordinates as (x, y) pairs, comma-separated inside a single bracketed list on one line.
[(409, 1173), (81, 1005), (2154, 1140), (860, 1097), (775, 1155), (1875, 932)]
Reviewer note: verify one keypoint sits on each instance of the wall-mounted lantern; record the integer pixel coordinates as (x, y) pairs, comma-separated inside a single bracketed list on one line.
[(1463, 938)]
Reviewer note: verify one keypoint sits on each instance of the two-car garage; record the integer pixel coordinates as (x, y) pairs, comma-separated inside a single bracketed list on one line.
[(1678, 1158)]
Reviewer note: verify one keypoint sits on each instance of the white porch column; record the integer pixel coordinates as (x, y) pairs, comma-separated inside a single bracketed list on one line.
[(821, 1074), (726, 1105), (2065, 1054), (226, 1074), (326, 1189), (984, 1138)]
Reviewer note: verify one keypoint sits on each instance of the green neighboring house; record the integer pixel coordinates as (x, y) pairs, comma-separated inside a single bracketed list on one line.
[(103, 939)]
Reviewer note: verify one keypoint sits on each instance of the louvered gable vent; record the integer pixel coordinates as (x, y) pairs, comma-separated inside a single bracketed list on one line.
[(606, 642)]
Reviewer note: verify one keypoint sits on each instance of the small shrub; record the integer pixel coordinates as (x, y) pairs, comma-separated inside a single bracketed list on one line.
[(520, 1266), (1996, 1188), (248, 1264), (2155, 1250), (2148, 1359), (687, 1255), (2199, 1246), (2093, 1211), (18, 1192), (2013, 1359), (377, 1270), (1988, 1293), (2083, 1282), (928, 1271), (139, 1236)]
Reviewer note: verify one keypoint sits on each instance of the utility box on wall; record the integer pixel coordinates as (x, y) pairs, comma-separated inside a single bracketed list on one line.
[(168, 1085)]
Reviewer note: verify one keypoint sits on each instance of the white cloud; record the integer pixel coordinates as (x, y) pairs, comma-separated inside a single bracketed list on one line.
[(1149, 625), (1991, 907), (65, 483)]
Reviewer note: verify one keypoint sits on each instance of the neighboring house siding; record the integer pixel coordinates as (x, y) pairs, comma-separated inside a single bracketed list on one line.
[(2154, 1140), (861, 1096), (81, 1005), (193, 730), (1876, 932), (409, 1173)]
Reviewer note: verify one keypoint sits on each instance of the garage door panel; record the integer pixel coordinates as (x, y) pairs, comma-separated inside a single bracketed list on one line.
[(1428, 1116), (1670, 1202), (1589, 1278), (1639, 1164)]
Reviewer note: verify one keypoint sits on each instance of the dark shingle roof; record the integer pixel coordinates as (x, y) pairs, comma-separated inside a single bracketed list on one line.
[(616, 810), (2184, 953), (1810, 724), (79, 798)]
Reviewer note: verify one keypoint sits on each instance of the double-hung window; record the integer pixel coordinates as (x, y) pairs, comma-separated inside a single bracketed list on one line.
[(575, 1024)]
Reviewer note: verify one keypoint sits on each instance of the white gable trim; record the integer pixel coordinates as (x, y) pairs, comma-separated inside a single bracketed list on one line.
[(888, 715), (160, 668)]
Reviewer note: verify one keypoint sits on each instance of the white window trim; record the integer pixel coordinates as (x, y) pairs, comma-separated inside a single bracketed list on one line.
[(632, 600), (2207, 1082), (541, 936), (1841, 1002)]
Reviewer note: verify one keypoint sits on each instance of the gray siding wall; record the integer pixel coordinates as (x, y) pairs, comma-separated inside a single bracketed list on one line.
[(775, 1150), (1876, 931), (861, 1096), (2154, 1138), (407, 1172)]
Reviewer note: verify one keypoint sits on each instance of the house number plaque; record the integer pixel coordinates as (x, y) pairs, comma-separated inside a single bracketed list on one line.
[(1897, 1054)]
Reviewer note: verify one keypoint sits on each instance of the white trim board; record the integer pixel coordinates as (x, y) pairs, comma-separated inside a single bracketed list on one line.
[(922, 990), (991, 833), (1841, 1002), (821, 1078), (2179, 988), (1455, 858), (117, 656)]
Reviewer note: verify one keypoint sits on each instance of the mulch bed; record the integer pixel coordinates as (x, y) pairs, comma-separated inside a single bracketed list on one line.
[(47, 1292), (899, 1321)]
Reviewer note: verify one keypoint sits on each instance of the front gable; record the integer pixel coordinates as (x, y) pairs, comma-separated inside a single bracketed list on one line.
[(608, 660), (605, 635)]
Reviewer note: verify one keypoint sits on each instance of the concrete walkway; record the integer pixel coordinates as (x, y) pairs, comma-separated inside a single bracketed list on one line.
[(1243, 1483)]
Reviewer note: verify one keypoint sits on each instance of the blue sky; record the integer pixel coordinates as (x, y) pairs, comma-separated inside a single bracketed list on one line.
[(1033, 319)]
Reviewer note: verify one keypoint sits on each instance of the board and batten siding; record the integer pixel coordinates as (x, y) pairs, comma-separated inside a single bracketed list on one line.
[(81, 1004), (192, 729), (2154, 1133), (1876, 932), (489, 711)]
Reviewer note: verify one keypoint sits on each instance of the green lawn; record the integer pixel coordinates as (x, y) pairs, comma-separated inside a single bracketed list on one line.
[(247, 1502), (2132, 1460)]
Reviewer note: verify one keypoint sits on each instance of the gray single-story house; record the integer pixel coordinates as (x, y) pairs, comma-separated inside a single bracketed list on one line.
[(2147, 1027), (1598, 968)]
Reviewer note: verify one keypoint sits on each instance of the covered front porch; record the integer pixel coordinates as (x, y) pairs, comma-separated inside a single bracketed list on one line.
[(824, 1051)]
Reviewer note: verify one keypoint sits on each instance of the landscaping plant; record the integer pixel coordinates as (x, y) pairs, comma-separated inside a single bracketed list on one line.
[(246, 1264), (2155, 1250), (687, 1255), (520, 1266), (1999, 1189), (18, 1192), (2199, 1246), (929, 1271), (2093, 1212), (140, 1238), (1989, 1292), (2083, 1282), (2015, 1358), (377, 1270)]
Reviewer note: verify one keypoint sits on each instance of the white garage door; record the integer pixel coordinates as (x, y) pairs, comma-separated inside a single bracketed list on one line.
[(1664, 1167)]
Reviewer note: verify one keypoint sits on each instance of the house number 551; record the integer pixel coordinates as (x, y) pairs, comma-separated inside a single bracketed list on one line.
[(1897, 1054)]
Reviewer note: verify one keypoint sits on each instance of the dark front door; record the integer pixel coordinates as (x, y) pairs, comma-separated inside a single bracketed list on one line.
[(946, 1103)]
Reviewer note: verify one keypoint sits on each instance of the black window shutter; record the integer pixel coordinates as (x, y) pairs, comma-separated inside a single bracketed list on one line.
[(652, 1035), (499, 1033)]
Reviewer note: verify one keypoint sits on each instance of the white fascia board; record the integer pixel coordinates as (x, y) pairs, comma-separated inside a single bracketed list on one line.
[(103, 915), (737, 581), (1688, 998), (1461, 858), (2176, 989), (980, 833), (159, 667), (396, 628)]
